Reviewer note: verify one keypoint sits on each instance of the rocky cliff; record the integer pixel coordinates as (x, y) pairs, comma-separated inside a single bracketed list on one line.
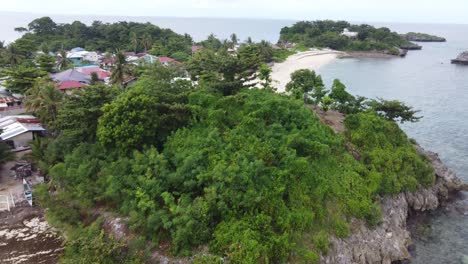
[(389, 241)]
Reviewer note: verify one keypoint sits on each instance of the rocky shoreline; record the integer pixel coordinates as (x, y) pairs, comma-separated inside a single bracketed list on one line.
[(388, 242), (371, 54), (461, 59)]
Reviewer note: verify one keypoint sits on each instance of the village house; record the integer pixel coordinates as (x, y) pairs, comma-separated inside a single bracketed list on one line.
[(69, 80), (17, 131), (102, 74), (78, 56), (349, 34)]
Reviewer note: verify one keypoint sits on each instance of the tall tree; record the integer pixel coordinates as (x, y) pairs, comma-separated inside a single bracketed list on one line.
[(147, 42), (135, 41), (46, 63), (21, 78), (44, 100), (121, 69), (306, 84), (63, 62), (234, 40)]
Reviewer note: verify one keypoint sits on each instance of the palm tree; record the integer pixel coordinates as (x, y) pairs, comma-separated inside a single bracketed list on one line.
[(234, 39), (147, 42), (13, 56), (120, 70), (44, 100), (135, 41), (63, 62)]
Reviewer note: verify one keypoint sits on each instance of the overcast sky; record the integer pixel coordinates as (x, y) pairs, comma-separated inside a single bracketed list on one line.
[(427, 11)]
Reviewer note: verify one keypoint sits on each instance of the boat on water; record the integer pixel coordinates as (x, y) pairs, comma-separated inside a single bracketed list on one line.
[(27, 192)]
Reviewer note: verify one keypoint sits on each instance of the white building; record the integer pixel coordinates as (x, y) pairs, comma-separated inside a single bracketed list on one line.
[(19, 130), (84, 55), (349, 34)]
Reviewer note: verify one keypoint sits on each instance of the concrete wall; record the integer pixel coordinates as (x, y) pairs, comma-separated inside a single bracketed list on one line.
[(22, 140)]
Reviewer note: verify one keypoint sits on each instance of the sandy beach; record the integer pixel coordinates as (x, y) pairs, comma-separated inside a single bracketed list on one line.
[(313, 60)]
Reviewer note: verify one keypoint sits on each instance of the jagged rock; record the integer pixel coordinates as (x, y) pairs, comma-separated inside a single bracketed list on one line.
[(461, 59), (389, 241)]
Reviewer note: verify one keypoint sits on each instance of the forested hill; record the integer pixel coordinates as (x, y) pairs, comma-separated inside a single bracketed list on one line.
[(45, 34), (251, 175), (328, 33)]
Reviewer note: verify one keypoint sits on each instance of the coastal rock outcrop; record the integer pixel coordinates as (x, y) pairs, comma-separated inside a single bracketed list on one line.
[(422, 37), (461, 59), (389, 241)]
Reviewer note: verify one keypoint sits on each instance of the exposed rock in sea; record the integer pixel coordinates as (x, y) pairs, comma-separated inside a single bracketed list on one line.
[(461, 59), (411, 46), (421, 37), (388, 242)]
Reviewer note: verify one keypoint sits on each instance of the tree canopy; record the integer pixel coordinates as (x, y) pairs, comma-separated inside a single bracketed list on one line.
[(327, 33)]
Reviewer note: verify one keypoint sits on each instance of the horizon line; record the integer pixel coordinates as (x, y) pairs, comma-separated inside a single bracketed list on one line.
[(229, 17)]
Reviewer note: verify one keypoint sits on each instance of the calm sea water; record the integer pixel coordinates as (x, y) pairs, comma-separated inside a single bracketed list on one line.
[(424, 79)]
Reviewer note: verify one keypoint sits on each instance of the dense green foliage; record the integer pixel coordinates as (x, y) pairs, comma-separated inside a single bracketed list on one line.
[(327, 33), (21, 78), (386, 149), (253, 174), (416, 36), (44, 32), (224, 73)]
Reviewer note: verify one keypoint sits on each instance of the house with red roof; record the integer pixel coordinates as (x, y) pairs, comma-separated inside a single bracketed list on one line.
[(88, 70), (68, 86)]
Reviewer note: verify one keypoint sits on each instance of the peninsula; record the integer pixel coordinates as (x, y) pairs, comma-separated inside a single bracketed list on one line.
[(422, 37), (343, 36)]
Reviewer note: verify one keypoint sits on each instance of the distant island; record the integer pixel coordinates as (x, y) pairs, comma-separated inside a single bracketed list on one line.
[(422, 37), (461, 59), (343, 36)]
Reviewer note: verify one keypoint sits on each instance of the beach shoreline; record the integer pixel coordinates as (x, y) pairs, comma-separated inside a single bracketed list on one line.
[(313, 60)]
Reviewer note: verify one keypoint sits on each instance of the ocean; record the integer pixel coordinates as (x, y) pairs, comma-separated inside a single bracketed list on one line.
[(424, 79)]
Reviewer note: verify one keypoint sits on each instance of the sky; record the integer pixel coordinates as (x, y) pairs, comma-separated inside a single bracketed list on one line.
[(422, 11)]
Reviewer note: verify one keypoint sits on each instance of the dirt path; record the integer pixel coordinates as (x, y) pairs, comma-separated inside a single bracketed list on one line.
[(25, 236)]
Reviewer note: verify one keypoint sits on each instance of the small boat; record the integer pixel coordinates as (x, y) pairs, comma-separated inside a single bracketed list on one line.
[(28, 192)]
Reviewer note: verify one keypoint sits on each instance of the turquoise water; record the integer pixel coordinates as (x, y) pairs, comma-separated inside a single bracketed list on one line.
[(424, 79)]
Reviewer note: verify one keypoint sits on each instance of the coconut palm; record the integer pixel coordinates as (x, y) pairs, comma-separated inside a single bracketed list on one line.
[(234, 39), (44, 100), (120, 70), (147, 42), (135, 41), (13, 56), (63, 62)]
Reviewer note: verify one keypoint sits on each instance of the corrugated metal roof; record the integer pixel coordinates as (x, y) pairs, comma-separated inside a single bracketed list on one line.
[(13, 126)]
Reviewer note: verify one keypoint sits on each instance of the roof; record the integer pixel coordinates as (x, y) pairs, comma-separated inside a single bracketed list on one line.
[(77, 49), (71, 75), (102, 74), (196, 48), (165, 59), (13, 126), (108, 60), (8, 99), (69, 85)]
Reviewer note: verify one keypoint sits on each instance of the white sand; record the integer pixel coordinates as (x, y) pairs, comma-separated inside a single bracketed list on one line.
[(313, 60)]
